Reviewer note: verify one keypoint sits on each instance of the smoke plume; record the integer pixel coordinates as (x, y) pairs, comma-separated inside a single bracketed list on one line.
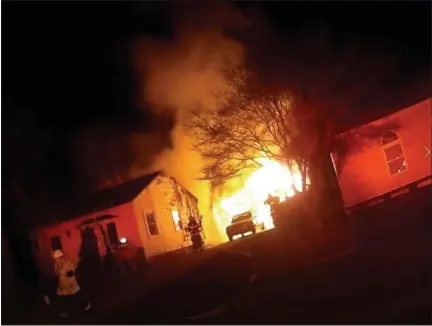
[(186, 72)]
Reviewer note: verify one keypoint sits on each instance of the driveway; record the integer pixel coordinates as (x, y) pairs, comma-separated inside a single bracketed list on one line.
[(386, 279)]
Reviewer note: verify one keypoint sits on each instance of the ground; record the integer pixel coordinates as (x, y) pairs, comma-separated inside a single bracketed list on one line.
[(365, 286), (382, 276)]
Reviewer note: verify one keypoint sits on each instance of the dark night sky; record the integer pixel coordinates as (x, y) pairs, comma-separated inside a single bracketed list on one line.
[(59, 58), (67, 63)]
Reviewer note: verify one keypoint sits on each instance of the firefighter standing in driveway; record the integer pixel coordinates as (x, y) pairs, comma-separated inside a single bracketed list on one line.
[(68, 291), (272, 201), (195, 230)]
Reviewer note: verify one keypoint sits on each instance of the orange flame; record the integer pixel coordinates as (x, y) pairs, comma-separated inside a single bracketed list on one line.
[(271, 178)]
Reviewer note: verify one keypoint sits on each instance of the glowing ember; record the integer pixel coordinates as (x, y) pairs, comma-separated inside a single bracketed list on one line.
[(272, 178)]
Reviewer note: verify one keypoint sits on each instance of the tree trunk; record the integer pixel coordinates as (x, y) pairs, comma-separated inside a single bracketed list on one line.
[(330, 213), (325, 185), (304, 176)]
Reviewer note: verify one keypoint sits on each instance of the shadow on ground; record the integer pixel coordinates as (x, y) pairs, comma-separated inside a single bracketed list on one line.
[(386, 280)]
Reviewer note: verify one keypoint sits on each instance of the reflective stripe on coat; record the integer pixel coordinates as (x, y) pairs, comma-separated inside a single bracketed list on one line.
[(66, 285)]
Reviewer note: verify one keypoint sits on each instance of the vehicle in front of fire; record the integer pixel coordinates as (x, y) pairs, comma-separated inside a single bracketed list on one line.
[(242, 224)]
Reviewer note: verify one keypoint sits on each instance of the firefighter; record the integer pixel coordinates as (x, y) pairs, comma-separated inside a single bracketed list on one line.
[(68, 291), (195, 230), (272, 201)]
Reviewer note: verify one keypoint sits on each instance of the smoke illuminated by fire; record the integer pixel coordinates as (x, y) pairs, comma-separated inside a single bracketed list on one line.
[(185, 71), (271, 178)]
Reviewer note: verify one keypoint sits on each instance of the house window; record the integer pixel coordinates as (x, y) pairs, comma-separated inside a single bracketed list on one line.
[(112, 233), (389, 137), (393, 153), (152, 226), (56, 243), (176, 219)]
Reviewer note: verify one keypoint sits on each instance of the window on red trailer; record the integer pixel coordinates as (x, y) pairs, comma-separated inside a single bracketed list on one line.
[(389, 137), (393, 153)]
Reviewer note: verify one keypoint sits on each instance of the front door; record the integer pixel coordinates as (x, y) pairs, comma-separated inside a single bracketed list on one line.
[(90, 259)]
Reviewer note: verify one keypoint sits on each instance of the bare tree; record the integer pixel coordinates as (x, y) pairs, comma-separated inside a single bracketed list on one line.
[(304, 96), (332, 82), (255, 122)]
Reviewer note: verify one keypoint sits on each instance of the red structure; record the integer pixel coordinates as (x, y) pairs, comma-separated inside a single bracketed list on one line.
[(395, 157)]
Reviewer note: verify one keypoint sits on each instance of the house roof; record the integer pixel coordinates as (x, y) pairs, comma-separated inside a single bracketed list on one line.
[(185, 189), (104, 199), (111, 197), (384, 103), (380, 113)]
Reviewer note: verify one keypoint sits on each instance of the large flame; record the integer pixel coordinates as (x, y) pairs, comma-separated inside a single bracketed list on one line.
[(271, 178)]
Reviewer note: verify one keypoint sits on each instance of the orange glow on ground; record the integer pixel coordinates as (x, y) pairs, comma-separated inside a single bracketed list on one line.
[(272, 178)]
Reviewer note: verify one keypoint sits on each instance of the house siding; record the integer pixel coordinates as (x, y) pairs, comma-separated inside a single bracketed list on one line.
[(145, 202), (70, 234), (174, 239), (365, 174), (160, 198)]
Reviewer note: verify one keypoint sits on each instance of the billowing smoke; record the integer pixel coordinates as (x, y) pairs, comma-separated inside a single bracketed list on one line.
[(186, 72)]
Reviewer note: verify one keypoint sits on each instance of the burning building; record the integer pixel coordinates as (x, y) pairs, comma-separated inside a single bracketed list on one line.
[(150, 212), (252, 190)]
